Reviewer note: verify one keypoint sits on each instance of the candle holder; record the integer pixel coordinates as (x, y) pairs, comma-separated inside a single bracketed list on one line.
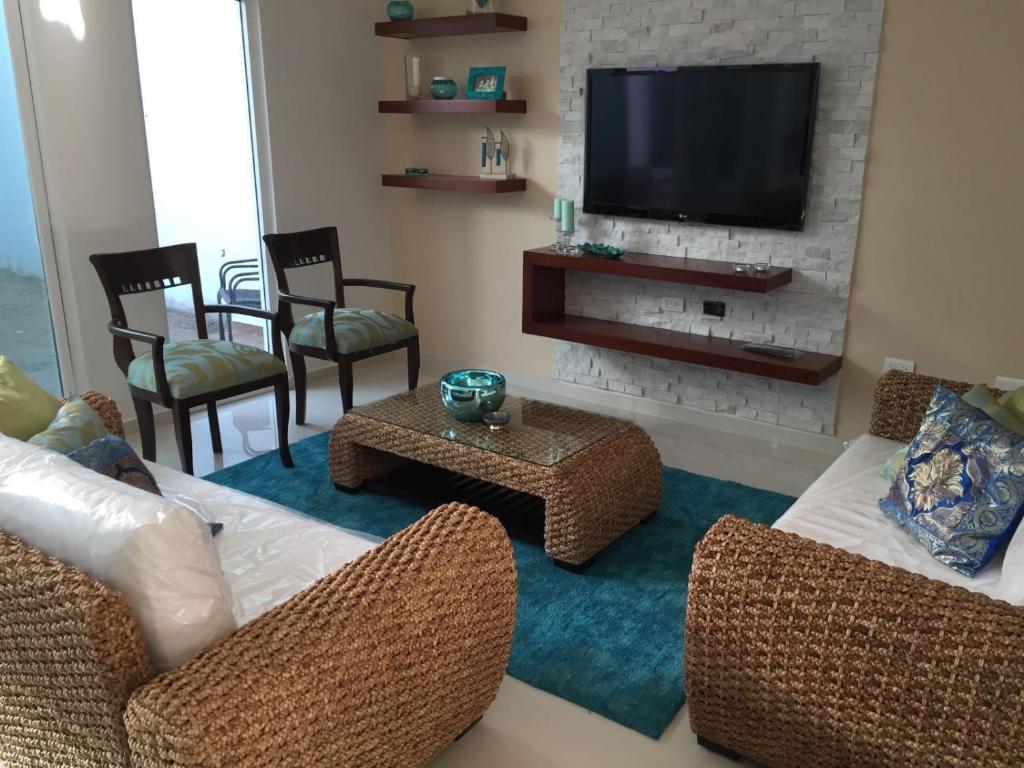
[(563, 242)]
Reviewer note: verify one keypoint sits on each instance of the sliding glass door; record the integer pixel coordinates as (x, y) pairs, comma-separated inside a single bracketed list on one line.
[(26, 323), (195, 93)]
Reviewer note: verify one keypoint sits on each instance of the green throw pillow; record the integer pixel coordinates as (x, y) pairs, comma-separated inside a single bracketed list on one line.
[(25, 407), (981, 398), (75, 425), (1014, 403)]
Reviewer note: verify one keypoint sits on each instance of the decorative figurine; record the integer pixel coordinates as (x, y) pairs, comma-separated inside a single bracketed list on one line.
[(499, 153)]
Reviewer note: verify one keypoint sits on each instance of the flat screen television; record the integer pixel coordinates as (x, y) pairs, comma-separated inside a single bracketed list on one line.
[(723, 145)]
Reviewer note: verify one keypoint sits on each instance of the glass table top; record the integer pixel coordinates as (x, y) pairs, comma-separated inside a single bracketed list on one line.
[(539, 433)]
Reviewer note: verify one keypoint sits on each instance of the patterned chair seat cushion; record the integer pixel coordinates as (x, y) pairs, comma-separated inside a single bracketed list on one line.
[(201, 366), (355, 330)]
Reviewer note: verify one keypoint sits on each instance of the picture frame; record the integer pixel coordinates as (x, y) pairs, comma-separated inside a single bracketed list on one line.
[(486, 83)]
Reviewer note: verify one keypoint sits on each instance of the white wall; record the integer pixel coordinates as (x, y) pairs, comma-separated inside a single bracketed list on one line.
[(326, 138), (91, 130)]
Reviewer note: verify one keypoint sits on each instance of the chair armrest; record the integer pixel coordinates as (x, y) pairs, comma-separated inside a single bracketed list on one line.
[(325, 304), (800, 654), (262, 314), (405, 288), (235, 309), (157, 342), (107, 410), (382, 663)]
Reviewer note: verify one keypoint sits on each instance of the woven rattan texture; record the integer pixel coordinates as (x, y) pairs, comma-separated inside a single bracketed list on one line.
[(901, 400), (107, 411), (379, 665), (591, 498), (799, 655), (70, 656), (541, 433)]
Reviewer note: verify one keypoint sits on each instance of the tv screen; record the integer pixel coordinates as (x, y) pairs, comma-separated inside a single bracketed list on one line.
[(728, 145)]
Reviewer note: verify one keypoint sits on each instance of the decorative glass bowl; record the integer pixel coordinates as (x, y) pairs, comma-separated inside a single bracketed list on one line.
[(401, 10), (602, 251), (469, 394), (443, 88)]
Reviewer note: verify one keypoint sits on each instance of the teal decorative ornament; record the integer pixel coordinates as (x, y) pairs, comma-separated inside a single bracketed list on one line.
[(401, 10), (443, 88), (602, 251), (469, 394)]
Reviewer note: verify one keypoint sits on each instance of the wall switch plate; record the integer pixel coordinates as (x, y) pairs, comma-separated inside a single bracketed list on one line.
[(714, 308), (895, 364), (1008, 384)]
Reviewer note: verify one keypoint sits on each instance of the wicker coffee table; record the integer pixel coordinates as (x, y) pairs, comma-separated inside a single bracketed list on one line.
[(598, 476)]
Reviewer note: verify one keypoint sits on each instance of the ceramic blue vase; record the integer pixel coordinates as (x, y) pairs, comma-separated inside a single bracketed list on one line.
[(443, 88), (468, 395), (400, 10)]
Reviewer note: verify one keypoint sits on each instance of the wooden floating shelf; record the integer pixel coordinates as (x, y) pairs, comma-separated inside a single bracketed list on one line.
[(453, 183), (544, 314), (450, 26), (453, 106), (810, 368), (667, 269)]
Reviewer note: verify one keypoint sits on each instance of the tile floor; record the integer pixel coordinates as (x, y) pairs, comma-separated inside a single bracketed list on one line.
[(525, 726)]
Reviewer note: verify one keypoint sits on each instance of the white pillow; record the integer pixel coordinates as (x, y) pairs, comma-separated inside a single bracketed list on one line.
[(156, 553)]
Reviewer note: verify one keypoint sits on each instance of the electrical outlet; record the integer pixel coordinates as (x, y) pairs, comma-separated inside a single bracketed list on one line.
[(714, 308), (1008, 384), (895, 364)]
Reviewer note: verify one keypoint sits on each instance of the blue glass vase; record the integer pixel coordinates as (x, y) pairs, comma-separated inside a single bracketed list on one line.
[(400, 10), (443, 88), (469, 394)]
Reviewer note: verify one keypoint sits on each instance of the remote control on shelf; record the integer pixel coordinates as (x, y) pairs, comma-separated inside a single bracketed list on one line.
[(774, 351)]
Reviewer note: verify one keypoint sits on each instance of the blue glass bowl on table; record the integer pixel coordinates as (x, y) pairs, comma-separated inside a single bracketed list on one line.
[(469, 394)]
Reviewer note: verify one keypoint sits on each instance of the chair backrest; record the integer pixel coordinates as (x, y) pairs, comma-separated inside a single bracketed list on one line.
[(152, 269), (901, 400), (295, 250), (70, 658)]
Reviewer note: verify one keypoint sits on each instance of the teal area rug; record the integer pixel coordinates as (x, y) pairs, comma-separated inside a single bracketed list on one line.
[(610, 640)]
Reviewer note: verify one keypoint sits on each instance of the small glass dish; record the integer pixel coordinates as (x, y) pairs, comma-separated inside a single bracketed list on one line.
[(497, 420)]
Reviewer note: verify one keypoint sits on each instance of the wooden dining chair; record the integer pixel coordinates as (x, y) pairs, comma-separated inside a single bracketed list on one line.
[(336, 332), (182, 375)]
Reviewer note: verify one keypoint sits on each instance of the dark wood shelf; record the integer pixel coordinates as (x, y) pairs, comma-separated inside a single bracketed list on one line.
[(453, 106), (449, 26), (667, 269), (453, 183), (810, 368), (544, 314)]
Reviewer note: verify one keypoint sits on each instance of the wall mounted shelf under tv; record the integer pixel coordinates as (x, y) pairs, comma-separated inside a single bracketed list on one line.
[(544, 315), (452, 106), (450, 26), (437, 181)]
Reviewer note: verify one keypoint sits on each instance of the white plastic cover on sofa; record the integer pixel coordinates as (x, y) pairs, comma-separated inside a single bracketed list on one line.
[(268, 552), (841, 509), (156, 553)]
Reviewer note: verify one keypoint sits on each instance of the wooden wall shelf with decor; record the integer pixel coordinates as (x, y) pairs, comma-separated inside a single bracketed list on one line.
[(452, 106), (442, 182), (544, 315), (450, 26)]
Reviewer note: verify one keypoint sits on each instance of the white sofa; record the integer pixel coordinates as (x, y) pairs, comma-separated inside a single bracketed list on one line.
[(841, 509), (348, 651), (834, 639)]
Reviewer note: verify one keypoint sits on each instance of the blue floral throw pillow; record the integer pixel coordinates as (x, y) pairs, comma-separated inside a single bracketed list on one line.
[(961, 490), (113, 457)]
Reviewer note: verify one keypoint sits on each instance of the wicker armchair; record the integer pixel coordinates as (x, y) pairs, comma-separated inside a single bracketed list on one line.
[(799, 654), (380, 664)]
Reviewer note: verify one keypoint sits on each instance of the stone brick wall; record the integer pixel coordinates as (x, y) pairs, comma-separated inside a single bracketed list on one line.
[(811, 312)]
